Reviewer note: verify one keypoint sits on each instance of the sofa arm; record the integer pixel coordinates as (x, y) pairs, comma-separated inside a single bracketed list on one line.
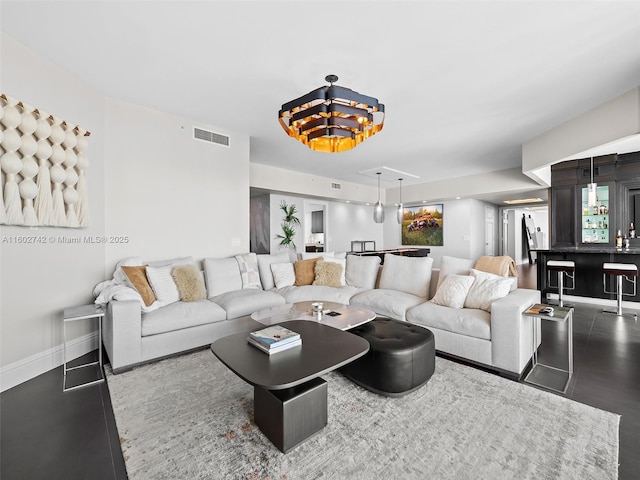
[(122, 333), (511, 332)]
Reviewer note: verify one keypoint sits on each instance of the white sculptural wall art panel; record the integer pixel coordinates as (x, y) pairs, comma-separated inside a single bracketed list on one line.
[(42, 168)]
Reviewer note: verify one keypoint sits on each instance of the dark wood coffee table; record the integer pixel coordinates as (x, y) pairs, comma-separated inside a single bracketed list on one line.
[(290, 398)]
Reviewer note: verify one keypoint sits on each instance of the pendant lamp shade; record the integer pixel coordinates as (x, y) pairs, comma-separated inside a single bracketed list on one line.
[(400, 212), (378, 209)]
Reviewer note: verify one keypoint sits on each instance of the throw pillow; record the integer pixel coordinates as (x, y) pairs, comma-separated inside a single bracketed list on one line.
[(362, 271), (190, 284), (283, 274), (340, 261), (264, 267), (163, 285), (453, 291), (328, 274), (486, 289), (459, 266), (137, 275), (249, 272), (305, 271), (407, 274)]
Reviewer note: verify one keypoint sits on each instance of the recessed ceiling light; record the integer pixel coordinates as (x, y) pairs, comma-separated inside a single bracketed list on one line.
[(458, 198), (518, 201)]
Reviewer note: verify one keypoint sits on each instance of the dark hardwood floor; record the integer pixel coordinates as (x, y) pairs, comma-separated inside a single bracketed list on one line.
[(47, 434)]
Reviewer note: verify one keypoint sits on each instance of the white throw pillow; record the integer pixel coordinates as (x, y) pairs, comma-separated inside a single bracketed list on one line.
[(453, 291), (459, 266), (342, 262), (407, 274), (486, 289), (283, 274), (264, 267), (163, 284)]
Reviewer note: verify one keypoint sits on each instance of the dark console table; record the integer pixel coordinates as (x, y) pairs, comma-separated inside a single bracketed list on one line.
[(407, 252), (290, 398)]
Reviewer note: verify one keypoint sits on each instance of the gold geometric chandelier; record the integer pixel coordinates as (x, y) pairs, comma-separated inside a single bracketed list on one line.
[(332, 118)]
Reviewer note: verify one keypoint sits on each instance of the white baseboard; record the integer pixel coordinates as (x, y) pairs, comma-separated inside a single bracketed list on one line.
[(30, 367)]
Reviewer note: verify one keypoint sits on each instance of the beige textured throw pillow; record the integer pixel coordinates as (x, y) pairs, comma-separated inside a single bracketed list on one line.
[(328, 274), (190, 283)]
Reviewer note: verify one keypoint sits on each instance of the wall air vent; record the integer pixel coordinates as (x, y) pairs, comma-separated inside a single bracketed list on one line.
[(336, 186), (211, 137)]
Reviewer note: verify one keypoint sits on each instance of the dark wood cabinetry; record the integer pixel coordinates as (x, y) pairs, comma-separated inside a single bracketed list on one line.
[(620, 174)]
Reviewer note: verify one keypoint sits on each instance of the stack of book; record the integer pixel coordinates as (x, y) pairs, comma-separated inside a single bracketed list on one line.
[(275, 338)]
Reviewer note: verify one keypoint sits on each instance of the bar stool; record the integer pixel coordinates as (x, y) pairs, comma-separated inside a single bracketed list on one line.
[(626, 271), (563, 268)]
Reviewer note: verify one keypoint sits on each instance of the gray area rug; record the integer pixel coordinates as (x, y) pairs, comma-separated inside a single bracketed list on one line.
[(189, 417)]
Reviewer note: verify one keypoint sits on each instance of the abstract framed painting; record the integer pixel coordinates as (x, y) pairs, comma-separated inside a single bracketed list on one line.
[(423, 225)]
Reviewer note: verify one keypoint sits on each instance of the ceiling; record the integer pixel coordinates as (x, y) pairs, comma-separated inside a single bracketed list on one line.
[(464, 83)]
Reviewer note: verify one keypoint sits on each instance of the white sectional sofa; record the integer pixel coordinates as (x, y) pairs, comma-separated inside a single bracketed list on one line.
[(404, 289)]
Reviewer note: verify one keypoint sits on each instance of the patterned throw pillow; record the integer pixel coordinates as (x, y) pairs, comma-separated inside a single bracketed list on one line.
[(248, 264)]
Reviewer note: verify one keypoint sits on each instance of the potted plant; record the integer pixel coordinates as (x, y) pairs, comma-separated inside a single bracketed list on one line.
[(289, 224)]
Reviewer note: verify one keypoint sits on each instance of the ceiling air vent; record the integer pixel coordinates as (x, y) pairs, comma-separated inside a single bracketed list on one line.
[(211, 137), (336, 186)]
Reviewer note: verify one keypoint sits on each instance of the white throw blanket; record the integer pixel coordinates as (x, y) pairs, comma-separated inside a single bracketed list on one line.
[(119, 288)]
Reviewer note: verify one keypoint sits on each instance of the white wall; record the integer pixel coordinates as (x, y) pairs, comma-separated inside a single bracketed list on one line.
[(39, 280), (464, 230), (148, 181), (172, 195)]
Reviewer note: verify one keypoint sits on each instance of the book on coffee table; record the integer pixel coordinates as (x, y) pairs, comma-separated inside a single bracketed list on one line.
[(273, 336), (279, 348)]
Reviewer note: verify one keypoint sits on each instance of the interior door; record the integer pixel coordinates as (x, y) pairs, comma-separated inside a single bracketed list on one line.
[(489, 231)]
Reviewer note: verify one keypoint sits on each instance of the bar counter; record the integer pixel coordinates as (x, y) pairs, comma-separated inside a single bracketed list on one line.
[(588, 273)]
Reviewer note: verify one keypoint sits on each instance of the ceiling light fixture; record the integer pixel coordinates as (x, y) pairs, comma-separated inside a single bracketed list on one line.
[(400, 213), (332, 118), (519, 201), (378, 208), (592, 197)]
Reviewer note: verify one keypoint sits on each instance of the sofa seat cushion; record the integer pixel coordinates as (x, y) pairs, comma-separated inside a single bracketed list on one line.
[(308, 293), (465, 321), (389, 303), (180, 315), (246, 301)]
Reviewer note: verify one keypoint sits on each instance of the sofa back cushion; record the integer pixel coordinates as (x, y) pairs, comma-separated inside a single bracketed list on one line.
[(407, 274), (222, 275), (264, 267), (362, 271), (457, 266)]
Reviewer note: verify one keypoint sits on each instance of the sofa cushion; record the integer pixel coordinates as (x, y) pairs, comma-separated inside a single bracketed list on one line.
[(190, 283), (343, 264), (312, 293), (163, 285), (453, 291), (407, 274), (264, 268), (172, 261), (137, 276), (305, 271), (283, 274), (180, 315), (248, 265), (390, 303), (222, 275), (239, 303), (362, 271), (458, 266), (328, 274), (464, 321), (309, 255), (486, 289)]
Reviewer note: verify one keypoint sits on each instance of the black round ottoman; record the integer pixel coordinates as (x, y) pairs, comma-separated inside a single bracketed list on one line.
[(401, 357)]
